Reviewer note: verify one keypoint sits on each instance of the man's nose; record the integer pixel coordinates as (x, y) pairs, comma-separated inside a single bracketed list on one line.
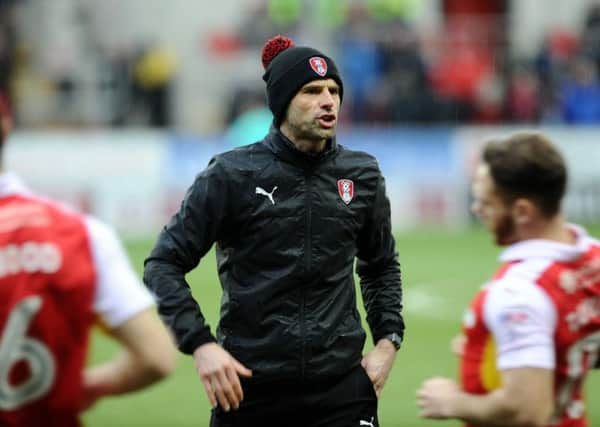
[(326, 99)]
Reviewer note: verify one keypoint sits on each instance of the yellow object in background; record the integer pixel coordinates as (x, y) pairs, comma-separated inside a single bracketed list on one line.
[(156, 67)]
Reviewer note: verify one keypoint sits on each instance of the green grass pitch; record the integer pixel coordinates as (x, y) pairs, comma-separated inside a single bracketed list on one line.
[(441, 271)]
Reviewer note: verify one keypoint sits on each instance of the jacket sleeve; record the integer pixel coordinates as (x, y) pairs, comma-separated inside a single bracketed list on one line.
[(181, 244), (378, 269)]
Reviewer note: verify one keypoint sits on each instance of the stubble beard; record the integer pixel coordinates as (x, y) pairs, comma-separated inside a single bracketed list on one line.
[(311, 132), (504, 231)]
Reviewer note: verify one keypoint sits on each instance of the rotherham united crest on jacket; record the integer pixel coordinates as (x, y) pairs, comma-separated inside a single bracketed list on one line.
[(346, 190), (318, 65)]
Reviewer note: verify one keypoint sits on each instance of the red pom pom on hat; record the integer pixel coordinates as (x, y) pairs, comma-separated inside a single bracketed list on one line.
[(274, 47)]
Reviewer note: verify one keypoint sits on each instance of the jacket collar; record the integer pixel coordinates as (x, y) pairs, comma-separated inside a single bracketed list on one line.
[(285, 149)]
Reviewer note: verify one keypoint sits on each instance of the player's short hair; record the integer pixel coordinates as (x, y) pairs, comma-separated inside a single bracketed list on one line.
[(528, 165)]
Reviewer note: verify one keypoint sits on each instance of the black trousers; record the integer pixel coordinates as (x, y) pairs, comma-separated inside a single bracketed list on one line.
[(346, 402)]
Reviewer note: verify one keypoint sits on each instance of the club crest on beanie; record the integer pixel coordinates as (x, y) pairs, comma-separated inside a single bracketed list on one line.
[(289, 67)]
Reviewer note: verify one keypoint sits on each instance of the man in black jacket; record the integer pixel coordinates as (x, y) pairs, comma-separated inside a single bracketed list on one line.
[(289, 215)]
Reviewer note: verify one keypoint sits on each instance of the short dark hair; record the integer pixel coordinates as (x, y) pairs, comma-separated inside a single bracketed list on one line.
[(528, 165)]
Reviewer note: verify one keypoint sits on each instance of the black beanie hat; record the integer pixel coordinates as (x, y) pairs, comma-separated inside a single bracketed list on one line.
[(288, 68)]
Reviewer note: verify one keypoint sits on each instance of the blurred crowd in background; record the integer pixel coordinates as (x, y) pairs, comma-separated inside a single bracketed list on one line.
[(465, 73), (394, 72)]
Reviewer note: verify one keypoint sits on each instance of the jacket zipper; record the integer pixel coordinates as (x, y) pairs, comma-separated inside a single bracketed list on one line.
[(308, 241), (307, 266)]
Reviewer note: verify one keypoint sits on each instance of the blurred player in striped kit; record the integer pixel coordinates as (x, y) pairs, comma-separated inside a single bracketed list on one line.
[(532, 333), (61, 272)]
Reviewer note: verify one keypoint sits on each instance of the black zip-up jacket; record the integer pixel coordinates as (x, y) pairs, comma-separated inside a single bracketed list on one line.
[(286, 242)]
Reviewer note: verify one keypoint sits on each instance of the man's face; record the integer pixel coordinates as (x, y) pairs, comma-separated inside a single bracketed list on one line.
[(313, 113), (490, 208)]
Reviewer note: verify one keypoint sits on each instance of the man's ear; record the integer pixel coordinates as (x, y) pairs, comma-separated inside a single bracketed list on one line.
[(523, 211)]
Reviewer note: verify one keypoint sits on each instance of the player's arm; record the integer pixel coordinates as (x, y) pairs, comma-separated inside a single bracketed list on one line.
[(126, 309), (522, 320), (147, 356), (525, 399)]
